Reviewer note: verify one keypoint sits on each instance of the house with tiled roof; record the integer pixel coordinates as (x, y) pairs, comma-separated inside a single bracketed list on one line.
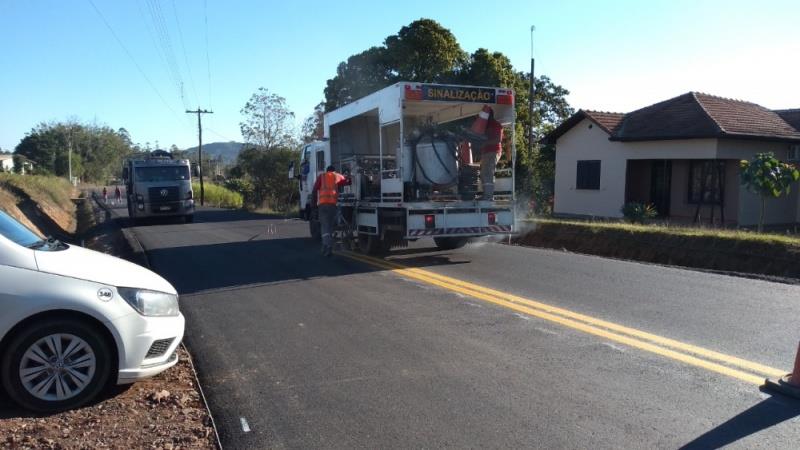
[(681, 155)]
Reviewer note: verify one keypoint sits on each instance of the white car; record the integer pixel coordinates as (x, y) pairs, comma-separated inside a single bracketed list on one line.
[(74, 320)]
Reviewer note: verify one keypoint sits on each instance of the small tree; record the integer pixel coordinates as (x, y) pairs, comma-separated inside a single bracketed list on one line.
[(767, 177)]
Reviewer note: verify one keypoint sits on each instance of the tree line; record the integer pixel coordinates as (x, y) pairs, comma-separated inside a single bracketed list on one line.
[(423, 51)]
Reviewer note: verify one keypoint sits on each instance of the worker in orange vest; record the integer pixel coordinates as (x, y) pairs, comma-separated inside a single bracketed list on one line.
[(490, 154), (326, 191)]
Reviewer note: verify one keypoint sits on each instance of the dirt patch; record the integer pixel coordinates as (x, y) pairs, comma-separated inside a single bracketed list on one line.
[(713, 251), (8, 204), (164, 412), (45, 202)]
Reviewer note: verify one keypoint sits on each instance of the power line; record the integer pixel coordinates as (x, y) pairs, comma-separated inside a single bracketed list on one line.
[(151, 31), (208, 59), (165, 42), (138, 67), (183, 47)]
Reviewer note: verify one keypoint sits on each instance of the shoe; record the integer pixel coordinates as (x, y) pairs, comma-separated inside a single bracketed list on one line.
[(328, 252)]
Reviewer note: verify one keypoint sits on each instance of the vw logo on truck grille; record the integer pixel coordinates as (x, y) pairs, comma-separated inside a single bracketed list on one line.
[(164, 192)]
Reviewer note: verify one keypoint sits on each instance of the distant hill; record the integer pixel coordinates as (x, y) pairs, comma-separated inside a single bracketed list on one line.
[(228, 150)]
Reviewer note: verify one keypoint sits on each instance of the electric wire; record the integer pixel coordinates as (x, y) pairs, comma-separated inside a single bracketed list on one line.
[(208, 58), (165, 43), (135, 63), (185, 55)]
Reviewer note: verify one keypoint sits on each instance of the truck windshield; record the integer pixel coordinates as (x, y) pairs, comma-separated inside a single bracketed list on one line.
[(16, 232), (161, 173)]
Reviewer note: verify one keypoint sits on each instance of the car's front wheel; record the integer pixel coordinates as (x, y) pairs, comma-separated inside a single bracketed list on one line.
[(54, 365)]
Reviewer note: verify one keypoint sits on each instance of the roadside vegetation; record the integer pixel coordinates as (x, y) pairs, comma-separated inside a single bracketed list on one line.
[(706, 248), (44, 201), (218, 196)]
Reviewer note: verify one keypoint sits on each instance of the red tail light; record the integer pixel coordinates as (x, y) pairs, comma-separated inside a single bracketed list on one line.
[(492, 218), (430, 221)]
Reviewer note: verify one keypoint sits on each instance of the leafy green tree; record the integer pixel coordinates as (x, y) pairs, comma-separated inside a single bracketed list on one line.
[(97, 151), (422, 51), (312, 129), (263, 177), (268, 122), (767, 177)]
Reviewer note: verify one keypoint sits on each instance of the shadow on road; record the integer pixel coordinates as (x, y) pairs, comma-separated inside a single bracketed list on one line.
[(765, 414), (198, 268), (202, 267)]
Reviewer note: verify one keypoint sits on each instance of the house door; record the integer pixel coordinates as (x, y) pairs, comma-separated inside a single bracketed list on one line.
[(660, 186)]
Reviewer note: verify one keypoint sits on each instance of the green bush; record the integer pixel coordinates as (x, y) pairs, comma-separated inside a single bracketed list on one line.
[(218, 196), (636, 212)]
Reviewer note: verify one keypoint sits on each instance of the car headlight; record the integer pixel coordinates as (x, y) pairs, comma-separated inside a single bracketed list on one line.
[(150, 303)]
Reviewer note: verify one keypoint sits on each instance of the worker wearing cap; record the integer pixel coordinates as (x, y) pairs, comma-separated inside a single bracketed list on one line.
[(490, 155), (326, 190)]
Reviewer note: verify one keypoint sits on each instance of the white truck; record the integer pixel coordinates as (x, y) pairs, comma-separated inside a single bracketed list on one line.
[(409, 158), (157, 185)]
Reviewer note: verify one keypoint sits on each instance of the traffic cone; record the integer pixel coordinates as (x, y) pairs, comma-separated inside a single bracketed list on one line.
[(788, 384), (465, 153), (479, 126)]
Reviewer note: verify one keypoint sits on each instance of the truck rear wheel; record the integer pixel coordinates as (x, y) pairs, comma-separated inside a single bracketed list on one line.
[(450, 243), (371, 244)]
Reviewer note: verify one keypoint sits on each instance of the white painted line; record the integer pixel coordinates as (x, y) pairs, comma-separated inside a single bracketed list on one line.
[(614, 347), (245, 425), (546, 331), (522, 316)]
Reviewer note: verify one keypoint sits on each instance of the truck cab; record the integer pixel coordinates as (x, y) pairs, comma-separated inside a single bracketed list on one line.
[(314, 158), (158, 186)]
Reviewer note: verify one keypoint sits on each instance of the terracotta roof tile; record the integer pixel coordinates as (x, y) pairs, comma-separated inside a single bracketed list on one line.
[(608, 121), (693, 115), (737, 117), (791, 116)]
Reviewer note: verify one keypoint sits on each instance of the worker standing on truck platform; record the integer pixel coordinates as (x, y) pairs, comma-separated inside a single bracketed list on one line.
[(325, 189), (490, 155)]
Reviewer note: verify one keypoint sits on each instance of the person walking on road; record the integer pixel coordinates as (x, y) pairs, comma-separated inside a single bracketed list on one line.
[(117, 196), (105, 195), (325, 189)]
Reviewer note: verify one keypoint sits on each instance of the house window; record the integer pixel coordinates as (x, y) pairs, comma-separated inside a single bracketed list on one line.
[(588, 175), (706, 182)]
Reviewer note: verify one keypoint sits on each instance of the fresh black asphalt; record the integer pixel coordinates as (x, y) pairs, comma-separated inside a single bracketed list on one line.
[(333, 353)]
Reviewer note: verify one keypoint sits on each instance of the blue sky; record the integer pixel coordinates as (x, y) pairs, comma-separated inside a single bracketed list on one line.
[(60, 61)]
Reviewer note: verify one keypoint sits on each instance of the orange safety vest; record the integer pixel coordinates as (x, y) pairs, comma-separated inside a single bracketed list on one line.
[(327, 189)]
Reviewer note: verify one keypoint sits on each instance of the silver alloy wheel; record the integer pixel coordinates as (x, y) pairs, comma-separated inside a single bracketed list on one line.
[(57, 367)]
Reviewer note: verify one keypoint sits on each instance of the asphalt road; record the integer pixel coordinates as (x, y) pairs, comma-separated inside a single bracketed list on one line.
[(294, 350)]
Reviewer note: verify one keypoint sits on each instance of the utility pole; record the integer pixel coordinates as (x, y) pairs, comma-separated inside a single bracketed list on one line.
[(532, 135), (199, 111), (69, 142)]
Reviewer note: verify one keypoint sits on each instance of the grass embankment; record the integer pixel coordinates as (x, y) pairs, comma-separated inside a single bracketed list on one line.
[(216, 195), (43, 201), (715, 249)]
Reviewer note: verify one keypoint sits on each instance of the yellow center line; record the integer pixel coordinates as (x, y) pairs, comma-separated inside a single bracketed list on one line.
[(587, 324)]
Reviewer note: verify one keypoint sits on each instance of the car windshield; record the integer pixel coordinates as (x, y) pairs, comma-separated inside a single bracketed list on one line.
[(161, 173), (16, 232)]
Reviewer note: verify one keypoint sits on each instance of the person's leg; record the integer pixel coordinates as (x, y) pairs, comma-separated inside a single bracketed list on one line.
[(327, 214), (488, 166)]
